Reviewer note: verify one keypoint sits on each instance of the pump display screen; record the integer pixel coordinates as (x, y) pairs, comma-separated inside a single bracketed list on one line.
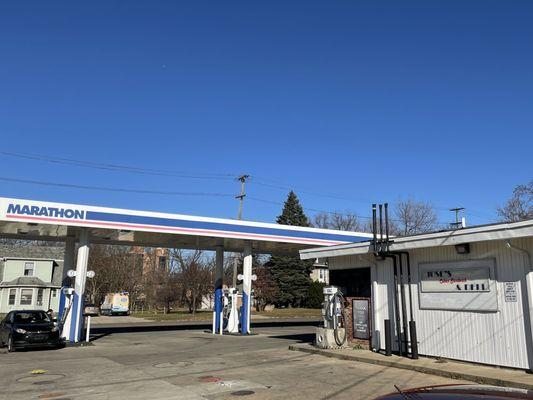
[(360, 319)]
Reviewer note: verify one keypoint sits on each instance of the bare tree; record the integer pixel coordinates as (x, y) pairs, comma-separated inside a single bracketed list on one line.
[(162, 288), (265, 289), (196, 276), (520, 206), (413, 217), (342, 221), (116, 269)]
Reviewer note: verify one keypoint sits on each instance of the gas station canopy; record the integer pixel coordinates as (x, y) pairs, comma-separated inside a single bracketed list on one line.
[(38, 220)]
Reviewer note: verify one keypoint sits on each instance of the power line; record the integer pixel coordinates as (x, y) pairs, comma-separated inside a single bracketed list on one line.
[(114, 189), (277, 203), (263, 182), (167, 173), (118, 167), (282, 186), (161, 192), (205, 176)]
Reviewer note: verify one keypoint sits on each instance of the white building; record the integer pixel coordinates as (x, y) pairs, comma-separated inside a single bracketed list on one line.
[(472, 291), (320, 273)]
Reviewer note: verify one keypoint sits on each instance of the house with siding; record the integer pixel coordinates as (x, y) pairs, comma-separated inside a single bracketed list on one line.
[(30, 276)]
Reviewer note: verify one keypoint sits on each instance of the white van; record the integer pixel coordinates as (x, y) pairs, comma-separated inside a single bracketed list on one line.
[(116, 304)]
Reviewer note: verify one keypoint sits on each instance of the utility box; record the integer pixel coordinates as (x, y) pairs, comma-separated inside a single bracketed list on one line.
[(325, 338)]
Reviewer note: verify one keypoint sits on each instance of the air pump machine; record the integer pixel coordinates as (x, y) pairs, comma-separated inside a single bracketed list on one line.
[(333, 334)]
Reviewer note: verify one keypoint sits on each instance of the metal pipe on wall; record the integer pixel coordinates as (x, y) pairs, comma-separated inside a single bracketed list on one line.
[(380, 227), (412, 324), (387, 225), (388, 338), (374, 229), (396, 306), (404, 307)]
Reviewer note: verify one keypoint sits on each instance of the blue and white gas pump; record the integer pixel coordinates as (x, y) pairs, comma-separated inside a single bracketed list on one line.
[(224, 299)]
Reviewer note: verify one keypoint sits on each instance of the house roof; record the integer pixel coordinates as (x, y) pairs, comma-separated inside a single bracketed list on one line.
[(26, 281), (500, 231)]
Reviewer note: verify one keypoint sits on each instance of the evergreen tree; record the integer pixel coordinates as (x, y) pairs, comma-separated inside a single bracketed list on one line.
[(290, 273), (293, 213)]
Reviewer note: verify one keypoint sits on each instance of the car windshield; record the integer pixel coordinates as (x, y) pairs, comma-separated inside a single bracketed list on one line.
[(39, 317)]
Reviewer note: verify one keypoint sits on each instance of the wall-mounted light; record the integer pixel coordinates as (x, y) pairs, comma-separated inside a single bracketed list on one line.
[(463, 248)]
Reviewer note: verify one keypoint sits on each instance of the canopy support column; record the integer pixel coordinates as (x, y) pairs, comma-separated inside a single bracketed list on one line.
[(219, 280), (246, 288), (76, 313)]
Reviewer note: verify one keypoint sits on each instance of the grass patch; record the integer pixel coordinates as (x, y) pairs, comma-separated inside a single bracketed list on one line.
[(183, 315), (292, 313), (178, 315)]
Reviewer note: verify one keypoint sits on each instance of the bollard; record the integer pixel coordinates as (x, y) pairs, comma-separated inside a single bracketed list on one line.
[(388, 338), (414, 340), (88, 331)]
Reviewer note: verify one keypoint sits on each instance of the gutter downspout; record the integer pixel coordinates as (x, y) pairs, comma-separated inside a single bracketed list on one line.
[(528, 306)]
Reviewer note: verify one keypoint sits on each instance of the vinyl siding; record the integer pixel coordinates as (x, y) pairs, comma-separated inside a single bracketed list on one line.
[(497, 338)]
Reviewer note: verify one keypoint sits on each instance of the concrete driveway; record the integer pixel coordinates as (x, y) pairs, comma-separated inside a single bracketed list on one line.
[(193, 364)]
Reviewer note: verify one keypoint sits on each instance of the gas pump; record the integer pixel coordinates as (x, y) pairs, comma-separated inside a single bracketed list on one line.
[(65, 305), (333, 334), (70, 313), (231, 311)]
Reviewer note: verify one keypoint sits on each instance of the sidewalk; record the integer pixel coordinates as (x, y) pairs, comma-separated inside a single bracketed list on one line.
[(449, 369)]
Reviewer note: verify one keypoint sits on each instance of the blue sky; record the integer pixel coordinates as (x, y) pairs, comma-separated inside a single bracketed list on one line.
[(346, 102)]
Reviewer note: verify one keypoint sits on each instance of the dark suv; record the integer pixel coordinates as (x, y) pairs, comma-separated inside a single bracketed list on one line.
[(22, 329)]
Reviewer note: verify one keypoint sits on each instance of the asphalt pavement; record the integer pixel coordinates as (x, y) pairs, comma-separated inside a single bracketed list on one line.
[(191, 363)]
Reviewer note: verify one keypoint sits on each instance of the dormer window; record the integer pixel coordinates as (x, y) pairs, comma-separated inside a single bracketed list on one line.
[(28, 268)]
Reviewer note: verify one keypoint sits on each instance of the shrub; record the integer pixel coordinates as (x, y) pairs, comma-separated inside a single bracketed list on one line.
[(315, 296)]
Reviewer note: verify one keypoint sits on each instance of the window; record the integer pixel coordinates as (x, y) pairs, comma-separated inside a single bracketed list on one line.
[(162, 262), (26, 296), (54, 292), (39, 297), (31, 317), (12, 296), (28, 268)]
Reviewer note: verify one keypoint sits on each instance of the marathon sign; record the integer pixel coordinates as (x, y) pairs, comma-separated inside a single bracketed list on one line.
[(455, 280), (50, 212), (20, 210)]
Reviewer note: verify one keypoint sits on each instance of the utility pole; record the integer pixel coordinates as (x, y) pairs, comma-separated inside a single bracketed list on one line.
[(240, 197), (458, 223)]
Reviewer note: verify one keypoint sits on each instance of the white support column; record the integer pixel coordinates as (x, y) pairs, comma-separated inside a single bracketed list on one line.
[(246, 288), (376, 317), (219, 276), (76, 312)]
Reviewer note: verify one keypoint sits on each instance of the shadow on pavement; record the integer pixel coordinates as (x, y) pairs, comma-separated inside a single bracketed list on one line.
[(299, 337), (98, 332)]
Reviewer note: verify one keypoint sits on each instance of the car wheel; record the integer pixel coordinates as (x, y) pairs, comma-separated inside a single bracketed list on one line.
[(10, 347)]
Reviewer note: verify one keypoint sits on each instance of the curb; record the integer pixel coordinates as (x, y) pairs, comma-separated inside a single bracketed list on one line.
[(425, 370)]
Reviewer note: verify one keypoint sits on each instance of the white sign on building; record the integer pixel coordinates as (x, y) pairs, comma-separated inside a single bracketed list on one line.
[(458, 285), (450, 279), (510, 292)]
